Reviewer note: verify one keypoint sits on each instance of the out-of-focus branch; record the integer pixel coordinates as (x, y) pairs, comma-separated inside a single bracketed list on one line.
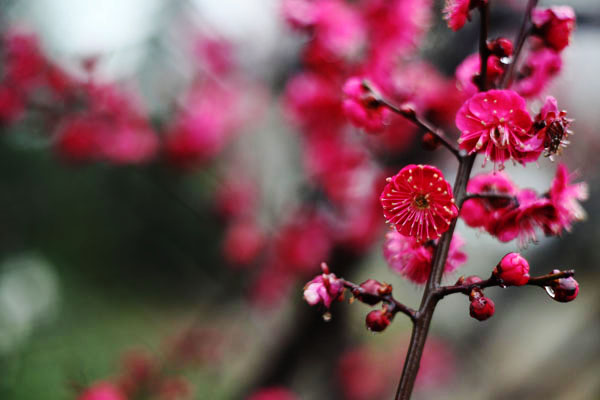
[(524, 32), (410, 114)]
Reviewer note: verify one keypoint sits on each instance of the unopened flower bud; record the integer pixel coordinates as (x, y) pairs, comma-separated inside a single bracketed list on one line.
[(378, 320), (372, 291), (563, 289), (501, 47), (482, 308), (513, 269), (430, 141), (476, 293), (408, 110), (470, 280)]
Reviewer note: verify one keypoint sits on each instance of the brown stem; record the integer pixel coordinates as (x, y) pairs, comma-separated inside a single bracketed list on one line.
[(493, 196), (524, 32), (429, 299), (542, 280), (422, 123), (394, 305)]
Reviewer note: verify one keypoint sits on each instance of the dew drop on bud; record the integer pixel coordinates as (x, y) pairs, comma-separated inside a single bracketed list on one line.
[(327, 316), (550, 292)]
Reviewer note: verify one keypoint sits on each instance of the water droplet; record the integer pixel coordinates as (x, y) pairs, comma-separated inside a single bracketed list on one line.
[(550, 292), (503, 286), (327, 316)]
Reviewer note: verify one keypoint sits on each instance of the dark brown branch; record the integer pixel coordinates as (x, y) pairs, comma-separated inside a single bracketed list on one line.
[(484, 51), (493, 196), (425, 125), (524, 32), (542, 281), (394, 305), (429, 299)]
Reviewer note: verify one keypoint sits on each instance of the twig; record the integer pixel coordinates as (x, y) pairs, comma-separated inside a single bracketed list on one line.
[(542, 281), (484, 51), (524, 32), (395, 305), (492, 196), (425, 125)]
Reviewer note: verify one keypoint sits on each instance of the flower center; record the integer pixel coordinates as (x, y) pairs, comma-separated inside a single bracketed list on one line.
[(421, 202)]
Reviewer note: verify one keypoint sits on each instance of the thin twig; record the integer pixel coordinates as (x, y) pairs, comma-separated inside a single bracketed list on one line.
[(425, 125), (542, 281), (524, 32), (492, 196), (387, 298)]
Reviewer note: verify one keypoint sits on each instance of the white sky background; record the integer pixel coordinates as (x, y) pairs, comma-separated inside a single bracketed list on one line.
[(120, 28)]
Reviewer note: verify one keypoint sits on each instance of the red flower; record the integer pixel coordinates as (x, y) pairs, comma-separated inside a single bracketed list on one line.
[(513, 269), (498, 124), (413, 260), (457, 13), (378, 320), (552, 126), (362, 107), (324, 288), (554, 25), (565, 198), (418, 202), (482, 308), (243, 242), (479, 213), (540, 67)]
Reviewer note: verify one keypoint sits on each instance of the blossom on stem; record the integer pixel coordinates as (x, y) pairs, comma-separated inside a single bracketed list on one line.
[(565, 198), (521, 222), (563, 289), (468, 72), (362, 106), (481, 212), (552, 126), (513, 270), (413, 260), (378, 320), (497, 124), (418, 202), (324, 288), (481, 308), (554, 25), (457, 12), (540, 67)]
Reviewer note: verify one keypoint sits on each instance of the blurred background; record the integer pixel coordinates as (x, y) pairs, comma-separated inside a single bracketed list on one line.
[(173, 173)]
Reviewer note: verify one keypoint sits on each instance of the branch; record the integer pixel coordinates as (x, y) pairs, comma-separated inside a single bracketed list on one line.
[(524, 32), (541, 281), (493, 196), (425, 125), (429, 301), (484, 52), (394, 305)]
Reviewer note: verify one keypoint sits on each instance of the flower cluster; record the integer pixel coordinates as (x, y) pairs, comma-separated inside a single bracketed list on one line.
[(92, 120), (143, 374), (519, 217)]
